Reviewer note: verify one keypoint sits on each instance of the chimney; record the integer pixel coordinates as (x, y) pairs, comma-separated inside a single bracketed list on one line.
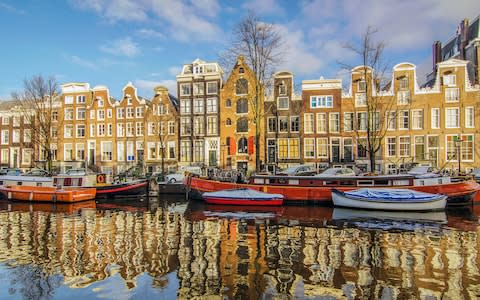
[(437, 54)]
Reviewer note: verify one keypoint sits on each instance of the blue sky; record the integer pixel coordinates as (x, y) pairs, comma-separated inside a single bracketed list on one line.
[(111, 42)]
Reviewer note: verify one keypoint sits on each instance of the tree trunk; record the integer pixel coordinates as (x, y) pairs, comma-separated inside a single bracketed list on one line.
[(257, 151), (163, 162), (371, 156)]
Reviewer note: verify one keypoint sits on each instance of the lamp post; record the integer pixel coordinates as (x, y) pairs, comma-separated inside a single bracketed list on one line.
[(458, 143)]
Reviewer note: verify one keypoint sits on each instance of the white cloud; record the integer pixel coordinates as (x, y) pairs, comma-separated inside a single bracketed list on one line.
[(11, 9), (124, 10), (264, 7), (82, 62), (146, 87), (122, 47), (209, 8), (150, 33)]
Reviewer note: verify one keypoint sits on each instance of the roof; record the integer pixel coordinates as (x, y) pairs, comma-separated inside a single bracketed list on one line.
[(174, 101), (7, 105)]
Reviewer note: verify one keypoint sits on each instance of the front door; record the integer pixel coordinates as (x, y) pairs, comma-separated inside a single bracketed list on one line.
[(212, 158), (272, 151), (335, 150)]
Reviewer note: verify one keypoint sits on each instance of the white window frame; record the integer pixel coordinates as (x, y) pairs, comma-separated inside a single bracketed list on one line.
[(470, 117), (435, 122), (449, 124)]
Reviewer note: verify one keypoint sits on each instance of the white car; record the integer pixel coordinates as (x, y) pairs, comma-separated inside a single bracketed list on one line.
[(178, 177), (337, 172)]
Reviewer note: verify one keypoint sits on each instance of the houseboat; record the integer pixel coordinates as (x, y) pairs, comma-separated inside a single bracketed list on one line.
[(318, 189), (47, 194)]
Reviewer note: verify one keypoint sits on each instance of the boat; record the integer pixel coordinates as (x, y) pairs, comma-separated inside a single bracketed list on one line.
[(102, 183), (243, 196), (318, 189), (26, 180), (47, 194), (350, 214), (389, 199)]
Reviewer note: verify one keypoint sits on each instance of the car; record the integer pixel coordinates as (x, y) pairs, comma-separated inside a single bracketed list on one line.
[(37, 172), (14, 172), (476, 173), (337, 172), (423, 172), (298, 170), (178, 177)]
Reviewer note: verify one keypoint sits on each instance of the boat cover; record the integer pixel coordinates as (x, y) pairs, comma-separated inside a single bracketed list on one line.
[(392, 194), (243, 193)]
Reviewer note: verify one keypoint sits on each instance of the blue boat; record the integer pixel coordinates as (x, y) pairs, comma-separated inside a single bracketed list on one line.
[(389, 199)]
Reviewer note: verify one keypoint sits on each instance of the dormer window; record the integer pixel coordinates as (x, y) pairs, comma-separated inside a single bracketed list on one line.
[(403, 83), (449, 80), (129, 101), (241, 70), (241, 87), (362, 86), (282, 89), (228, 103), (80, 99), (100, 102)]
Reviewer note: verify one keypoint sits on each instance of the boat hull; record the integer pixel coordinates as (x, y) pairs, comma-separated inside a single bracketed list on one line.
[(342, 200), (47, 194), (249, 202), (458, 193), (126, 189)]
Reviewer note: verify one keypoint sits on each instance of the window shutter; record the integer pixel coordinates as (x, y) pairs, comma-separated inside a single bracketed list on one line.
[(233, 149), (250, 145)]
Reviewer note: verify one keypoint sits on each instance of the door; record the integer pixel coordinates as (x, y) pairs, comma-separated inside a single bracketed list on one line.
[(335, 150), (242, 166), (272, 151), (212, 158)]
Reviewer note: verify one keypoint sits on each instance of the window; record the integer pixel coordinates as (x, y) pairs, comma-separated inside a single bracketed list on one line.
[(151, 150), (452, 118), (68, 152), (80, 131), (452, 147), (360, 99), (211, 105), (322, 147), (130, 130), (92, 130), (467, 147), (228, 122), (362, 147), (120, 112), (4, 158), (321, 101), (54, 132), (435, 118), (295, 124), (283, 124), (334, 122), (5, 120), (185, 126), (449, 80), (282, 103), (161, 128), (272, 124), (228, 103), (120, 129), (185, 89), (198, 88), (198, 151), (403, 83), (100, 114), (347, 121), (16, 136), (101, 103), (16, 121), (68, 131), (294, 148), (185, 151), (27, 119), (151, 128), (469, 117), (130, 112), (140, 128), (171, 127), (451, 95), (101, 129), (54, 116), (282, 89), (130, 151), (120, 151), (80, 149), (185, 106), (403, 97), (27, 156), (391, 146), (171, 149), (198, 105), (362, 86), (404, 120), (198, 127), (241, 70), (81, 114), (241, 86), (391, 120), (242, 145), (417, 119), (308, 123), (81, 99), (362, 121), (139, 111), (162, 109), (282, 148), (242, 106), (107, 151), (404, 145), (242, 125), (212, 88), (27, 135), (69, 99), (321, 123), (68, 114), (309, 148), (109, 113), (419, 147), (212, 125)]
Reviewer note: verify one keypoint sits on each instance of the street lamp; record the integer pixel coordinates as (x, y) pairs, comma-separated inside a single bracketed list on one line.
[(458, 143)]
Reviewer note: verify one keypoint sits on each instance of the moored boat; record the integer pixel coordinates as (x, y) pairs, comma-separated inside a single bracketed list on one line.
[(243, 196), (47, 194), (389, 199)]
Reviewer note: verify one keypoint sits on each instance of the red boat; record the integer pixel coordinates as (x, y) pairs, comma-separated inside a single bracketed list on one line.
[(243, 196), (318, 189)]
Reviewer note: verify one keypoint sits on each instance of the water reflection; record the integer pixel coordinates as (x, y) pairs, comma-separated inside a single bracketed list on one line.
[(178, 249)]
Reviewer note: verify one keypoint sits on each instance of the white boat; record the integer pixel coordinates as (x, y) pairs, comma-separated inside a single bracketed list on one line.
[(389, 199), (243, 196)]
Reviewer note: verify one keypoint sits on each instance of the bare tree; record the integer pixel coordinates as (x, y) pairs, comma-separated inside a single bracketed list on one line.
[(376, 103), (260, 44), (38, 105)]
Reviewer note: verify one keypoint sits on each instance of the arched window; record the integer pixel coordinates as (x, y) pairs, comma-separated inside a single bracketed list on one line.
[(242, 86), (228, 103), (242, 106), (228, 122), (242, 145), (241, 70), (242, 125)]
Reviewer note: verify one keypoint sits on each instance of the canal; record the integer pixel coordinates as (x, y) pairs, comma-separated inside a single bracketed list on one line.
[(170, 248)]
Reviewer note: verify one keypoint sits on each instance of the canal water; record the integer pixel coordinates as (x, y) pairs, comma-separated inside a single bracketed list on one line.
[(170, 248)]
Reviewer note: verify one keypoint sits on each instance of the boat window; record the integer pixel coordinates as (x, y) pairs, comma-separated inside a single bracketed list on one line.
[(258, 181), (422, 182), (365, 182), (381, 182), (39, 184), (19, 183), (347, 182), (440, 181), (293, 181), (331, 182)]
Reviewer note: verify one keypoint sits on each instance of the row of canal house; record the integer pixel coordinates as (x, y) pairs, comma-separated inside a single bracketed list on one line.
[(211, 123)]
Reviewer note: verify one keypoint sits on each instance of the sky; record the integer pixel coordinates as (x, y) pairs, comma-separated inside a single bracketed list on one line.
[(112, 42)]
